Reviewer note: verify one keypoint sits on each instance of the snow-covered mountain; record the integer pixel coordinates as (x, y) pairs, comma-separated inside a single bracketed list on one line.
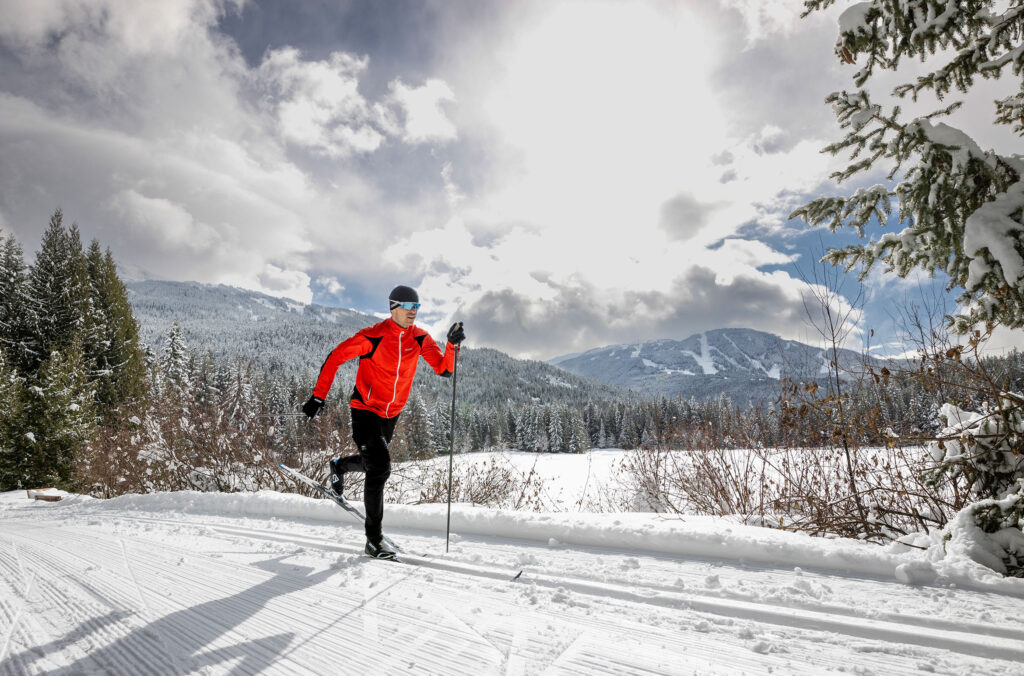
[(278, 334), (287, 337), (745, 364)]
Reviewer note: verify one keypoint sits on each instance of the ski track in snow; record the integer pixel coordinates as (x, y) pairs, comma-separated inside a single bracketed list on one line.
[(127, 592)]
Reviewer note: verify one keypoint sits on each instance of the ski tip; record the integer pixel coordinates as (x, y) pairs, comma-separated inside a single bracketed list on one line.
[(517, 576)]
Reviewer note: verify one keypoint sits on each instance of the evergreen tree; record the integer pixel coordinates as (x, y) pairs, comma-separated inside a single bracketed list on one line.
[(59, 420), (962, 207), (416, 428), (59, 293), (555, 432), (239, 394), (10, 418), (440, 426), (16, 332), (579, 439), (117, 356), (174, 363)]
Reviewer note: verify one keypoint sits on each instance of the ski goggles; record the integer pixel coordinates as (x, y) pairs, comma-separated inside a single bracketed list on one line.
[(407, 305)]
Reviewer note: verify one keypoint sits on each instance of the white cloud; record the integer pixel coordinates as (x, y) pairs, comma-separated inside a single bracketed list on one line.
[(767, 18), (598, 141), (169, 224), (425, 120), (156, 136), (141, 27), (284, 282), (576, 124), (319, 107), (318, 104)]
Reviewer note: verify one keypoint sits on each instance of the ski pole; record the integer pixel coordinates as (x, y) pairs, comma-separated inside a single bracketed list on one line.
[(451, 453), (281, 415)]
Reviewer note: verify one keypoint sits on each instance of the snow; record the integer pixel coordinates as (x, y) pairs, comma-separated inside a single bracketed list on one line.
[(558, 382), (854, 18), (994, 226), (213, 583), (704, 359), (665, 369)]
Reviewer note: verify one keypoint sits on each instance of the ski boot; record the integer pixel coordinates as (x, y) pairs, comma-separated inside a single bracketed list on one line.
[(337, 477), (380, 550)]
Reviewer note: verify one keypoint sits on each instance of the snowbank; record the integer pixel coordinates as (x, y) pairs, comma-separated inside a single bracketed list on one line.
[(686, 537)]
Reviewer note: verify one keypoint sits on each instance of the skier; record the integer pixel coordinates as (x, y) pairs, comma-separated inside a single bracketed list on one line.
[(388, 353)]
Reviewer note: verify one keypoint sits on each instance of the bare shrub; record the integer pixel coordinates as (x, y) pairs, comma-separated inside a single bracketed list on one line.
[(801, 489), (495, 483)]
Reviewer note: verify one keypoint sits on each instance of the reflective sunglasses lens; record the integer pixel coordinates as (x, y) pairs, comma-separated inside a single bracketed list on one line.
[(410, 306)]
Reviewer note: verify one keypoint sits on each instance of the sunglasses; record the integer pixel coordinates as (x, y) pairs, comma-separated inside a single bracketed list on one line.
[(408, 305)]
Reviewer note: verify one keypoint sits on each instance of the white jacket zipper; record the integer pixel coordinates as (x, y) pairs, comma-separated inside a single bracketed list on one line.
[(398, 371)]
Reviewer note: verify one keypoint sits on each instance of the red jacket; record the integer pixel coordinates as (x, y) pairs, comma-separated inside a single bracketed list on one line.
[(388, 355)]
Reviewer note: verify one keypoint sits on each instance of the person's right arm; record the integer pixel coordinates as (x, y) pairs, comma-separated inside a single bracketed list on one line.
[(356, 346)]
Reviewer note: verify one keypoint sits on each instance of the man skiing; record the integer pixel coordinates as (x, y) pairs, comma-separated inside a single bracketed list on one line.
[(388, 353)]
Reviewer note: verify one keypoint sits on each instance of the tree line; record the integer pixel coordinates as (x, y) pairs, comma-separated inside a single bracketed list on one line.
[(70, 357)]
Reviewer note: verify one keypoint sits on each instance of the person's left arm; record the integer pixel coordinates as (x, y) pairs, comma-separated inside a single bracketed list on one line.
[(442, 363)]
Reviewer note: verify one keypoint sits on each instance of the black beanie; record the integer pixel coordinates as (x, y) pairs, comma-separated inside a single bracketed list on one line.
[(404, 294)]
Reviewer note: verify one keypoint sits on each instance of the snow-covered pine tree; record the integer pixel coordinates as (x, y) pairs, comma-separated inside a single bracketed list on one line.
[(59, 420), (579, 439), (555, 436), (416, 427), (238, 399), (16, 332), (59, 293), (962, 207), (440, 426), (174, 362), (10, 423), (120, 374)]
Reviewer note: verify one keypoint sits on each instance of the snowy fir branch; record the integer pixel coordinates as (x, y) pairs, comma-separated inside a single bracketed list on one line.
[(962, 208)]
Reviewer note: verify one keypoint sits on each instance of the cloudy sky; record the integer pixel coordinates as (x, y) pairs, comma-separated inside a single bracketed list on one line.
[(558, 174)]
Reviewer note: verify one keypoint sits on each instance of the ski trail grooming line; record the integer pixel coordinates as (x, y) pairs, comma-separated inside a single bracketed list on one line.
[(17, 559), (17, 616), (192, 632), (645, 591), (886, 630), (135, 580), (365, 602), (146, 609), (135, 656)]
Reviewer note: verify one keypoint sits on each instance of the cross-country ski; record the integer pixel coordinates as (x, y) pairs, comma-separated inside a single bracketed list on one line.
[(322, 490)]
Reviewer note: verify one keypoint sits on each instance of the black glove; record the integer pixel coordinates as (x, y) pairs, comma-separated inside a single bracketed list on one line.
[(312, 407), (455, 334)]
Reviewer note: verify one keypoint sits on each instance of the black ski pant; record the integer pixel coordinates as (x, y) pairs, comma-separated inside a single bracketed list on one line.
[(372, 435)]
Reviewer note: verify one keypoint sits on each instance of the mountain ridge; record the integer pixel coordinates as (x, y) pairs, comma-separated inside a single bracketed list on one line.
[(745, 364), (288, 338)]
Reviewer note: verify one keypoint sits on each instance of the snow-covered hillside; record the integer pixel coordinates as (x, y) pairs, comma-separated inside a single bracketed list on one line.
[(285, 337), (271, 583), (744, 363)]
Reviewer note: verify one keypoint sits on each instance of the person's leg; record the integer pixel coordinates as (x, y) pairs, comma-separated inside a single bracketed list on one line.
[(372, 435), (350, 463)]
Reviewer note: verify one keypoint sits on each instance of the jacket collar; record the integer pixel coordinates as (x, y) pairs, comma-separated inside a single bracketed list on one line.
[(394, 327)]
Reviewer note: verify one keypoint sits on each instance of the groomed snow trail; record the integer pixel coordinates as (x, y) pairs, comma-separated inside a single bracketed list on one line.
[(85, 588)]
